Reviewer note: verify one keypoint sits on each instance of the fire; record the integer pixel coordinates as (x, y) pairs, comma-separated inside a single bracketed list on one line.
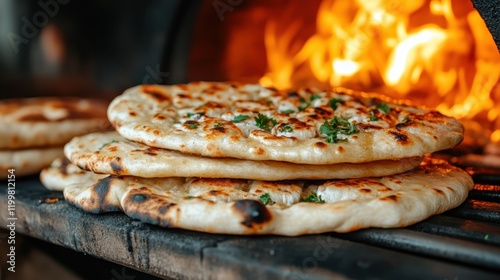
[(438, 53)]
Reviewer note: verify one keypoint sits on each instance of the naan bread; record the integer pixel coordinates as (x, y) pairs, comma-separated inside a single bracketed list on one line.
[(232, 206), (27, 161), (37, 122), (305, 126), (62, 173), (110, 153)]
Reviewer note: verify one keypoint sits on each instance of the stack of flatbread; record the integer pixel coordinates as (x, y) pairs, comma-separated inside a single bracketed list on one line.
[(34, 130), (244, 159)]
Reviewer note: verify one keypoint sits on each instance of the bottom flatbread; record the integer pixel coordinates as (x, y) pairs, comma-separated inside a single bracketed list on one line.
[(232, 206), (27, 161)]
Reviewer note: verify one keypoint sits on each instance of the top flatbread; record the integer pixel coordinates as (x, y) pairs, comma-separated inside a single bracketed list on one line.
[(36, 122), (257, 123)]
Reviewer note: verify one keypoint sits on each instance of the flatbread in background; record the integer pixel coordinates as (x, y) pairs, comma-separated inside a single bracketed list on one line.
[(305, 126), (110, 153), (27, 161), (62, 173), (231, 206), (49, 121)]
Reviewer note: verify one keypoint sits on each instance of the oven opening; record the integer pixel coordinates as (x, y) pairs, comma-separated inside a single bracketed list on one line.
[(436, 53)]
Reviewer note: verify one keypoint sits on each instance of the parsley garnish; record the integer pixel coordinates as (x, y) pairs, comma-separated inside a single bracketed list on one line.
[(266, 199), (304, 104), (217, 125), (289, 111), (263, 122), (372, 116), (314, 97), (337, 126), (193, 125), (406, 119), (314, 198), (240, 118), (189, 197), (384, 108), (190, 114), (286, 128), (105, 144), (334, 102)]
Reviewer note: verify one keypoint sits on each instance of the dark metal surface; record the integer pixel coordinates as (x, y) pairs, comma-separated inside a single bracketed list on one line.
[(490, 12), (442, 247)]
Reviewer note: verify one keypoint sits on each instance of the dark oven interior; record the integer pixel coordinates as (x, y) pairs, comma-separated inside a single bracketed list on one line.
[(98, 49)]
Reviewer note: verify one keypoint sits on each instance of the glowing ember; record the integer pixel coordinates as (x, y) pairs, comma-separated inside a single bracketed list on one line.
[(438, 53)]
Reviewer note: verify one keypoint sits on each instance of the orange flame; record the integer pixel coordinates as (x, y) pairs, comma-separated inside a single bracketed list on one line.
[(438, 53)]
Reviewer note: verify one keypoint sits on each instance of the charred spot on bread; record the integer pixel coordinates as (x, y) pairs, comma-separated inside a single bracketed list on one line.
[(391, 197), (99, 195), (320, 145), (254, 213), (400, 137), (155, 92), (116, 165)]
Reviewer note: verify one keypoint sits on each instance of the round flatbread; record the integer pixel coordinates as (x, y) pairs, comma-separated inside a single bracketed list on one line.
[(110, 153), (27, 161), (304, 126), (62, 173), (232, 206), (51, 121)]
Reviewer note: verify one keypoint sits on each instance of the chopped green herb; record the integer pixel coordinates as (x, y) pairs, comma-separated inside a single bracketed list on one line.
[(266, 199), (486, 237), (290, 111), (176, 121), (286, 128), (372, 116), (217, 125), (406, 119), (105, 144), (314, 97), (263, 122), (304, 104), (240, 118), (189, 197), (384, 108), (314, 198), (334, 102), (193, 125), (190, 114), (337, 126), (269, 101)]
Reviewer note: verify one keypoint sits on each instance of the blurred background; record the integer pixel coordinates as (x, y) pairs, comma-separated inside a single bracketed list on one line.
[(83, 48)]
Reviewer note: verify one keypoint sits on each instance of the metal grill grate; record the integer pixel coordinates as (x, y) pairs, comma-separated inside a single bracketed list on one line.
[(468, 234)]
